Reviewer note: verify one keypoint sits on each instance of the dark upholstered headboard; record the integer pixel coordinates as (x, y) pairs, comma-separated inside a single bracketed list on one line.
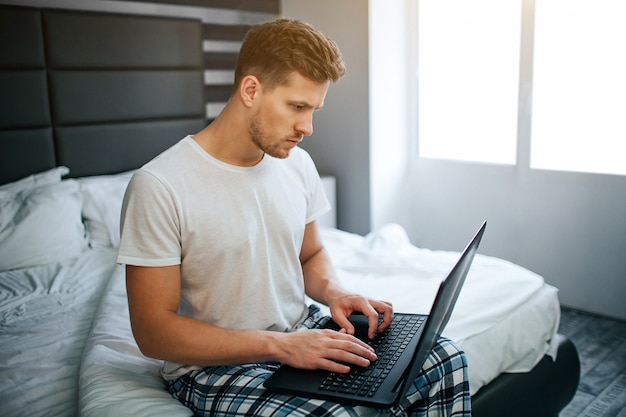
[(99, 93)]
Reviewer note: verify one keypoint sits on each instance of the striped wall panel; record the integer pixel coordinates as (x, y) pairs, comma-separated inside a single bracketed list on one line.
[(265, 6), (221, 46), (225, 23)]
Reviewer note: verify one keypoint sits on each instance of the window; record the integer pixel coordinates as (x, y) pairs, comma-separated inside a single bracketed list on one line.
[(469, 77), (468, 72), (579, 86)]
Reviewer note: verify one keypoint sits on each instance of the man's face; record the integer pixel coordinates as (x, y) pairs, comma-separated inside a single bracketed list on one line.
[(285, 115)]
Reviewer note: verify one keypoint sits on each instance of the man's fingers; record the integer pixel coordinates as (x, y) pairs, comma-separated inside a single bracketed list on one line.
[(344, 324)]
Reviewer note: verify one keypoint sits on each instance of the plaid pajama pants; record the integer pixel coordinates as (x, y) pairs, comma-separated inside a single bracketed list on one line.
[(441, 389)]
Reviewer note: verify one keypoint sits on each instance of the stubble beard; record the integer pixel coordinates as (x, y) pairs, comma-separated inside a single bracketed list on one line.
[(260, 138)]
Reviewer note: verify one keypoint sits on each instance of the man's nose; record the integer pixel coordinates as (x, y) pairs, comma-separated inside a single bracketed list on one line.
[(305, 126)]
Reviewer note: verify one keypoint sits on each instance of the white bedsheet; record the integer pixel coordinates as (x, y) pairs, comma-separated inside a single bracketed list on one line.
[(505, 319), (46, 314), (115, 378)]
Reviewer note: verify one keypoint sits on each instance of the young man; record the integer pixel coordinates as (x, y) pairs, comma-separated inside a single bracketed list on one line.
[(221, 246)]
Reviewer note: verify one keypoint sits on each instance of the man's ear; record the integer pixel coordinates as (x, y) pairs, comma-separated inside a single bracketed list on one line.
[(249, 89)]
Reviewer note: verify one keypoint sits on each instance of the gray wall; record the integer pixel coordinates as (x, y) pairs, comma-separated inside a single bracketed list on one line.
[(340, 141), (568, 227)]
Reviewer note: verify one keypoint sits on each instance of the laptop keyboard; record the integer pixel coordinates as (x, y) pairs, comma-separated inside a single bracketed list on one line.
[(388, 346)]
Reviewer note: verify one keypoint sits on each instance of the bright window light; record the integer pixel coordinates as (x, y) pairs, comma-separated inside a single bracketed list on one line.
[(579, 86), (468, 70)]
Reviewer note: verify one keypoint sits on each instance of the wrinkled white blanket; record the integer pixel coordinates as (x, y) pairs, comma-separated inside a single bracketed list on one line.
[(46, 314)]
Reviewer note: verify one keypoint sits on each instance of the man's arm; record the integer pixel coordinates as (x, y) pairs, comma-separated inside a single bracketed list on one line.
[(160, 332), (322, 285)]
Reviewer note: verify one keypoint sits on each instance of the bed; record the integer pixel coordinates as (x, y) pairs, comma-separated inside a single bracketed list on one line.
[(86, 98)]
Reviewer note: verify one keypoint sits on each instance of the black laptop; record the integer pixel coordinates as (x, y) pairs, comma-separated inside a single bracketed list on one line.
[(401, 351)]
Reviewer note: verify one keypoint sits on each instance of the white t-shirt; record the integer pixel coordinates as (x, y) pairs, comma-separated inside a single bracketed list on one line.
[(236, 232)]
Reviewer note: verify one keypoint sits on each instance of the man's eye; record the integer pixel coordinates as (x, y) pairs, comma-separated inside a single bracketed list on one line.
[(298, 107)]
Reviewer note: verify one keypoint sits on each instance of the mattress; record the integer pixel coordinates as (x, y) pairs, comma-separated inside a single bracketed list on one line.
[(500, 305), (66, 345)]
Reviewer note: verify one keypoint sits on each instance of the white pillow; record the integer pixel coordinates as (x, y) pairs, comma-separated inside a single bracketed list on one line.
[(102, 205), (51, 176), (41, 225)]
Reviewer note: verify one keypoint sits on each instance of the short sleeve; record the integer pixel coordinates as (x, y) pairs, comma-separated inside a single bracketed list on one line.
[(318, 201), (150, 226)]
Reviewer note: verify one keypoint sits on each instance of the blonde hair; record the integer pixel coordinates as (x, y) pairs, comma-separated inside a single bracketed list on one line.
[(273, 50)]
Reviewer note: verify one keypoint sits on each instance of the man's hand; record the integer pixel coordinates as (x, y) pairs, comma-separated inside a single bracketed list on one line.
[(321, 284), (341, 307), (330, 350)]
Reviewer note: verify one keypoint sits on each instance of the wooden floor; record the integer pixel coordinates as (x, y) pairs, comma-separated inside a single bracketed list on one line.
[(601, 345)]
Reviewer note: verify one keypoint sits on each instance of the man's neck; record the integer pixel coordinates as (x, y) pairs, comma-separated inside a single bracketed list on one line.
[(227, 138)]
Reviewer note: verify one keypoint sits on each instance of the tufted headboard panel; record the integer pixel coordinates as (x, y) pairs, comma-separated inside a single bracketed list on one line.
[(99, 93)]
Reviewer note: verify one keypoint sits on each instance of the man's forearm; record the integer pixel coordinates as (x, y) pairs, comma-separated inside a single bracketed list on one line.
[(188, 341), (320, 280)]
